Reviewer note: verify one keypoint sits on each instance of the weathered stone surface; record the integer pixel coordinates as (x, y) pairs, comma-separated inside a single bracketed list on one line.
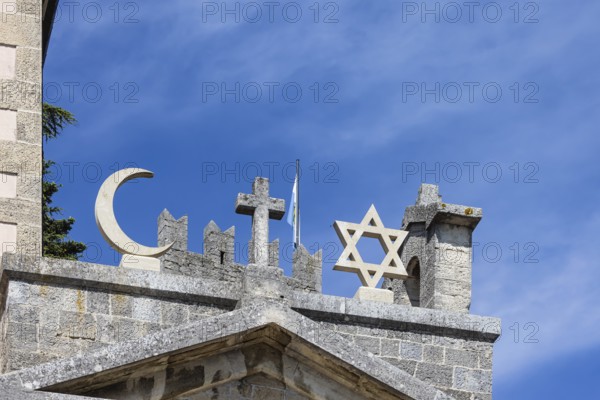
[(433, 354), (472, 380), (134, 282), (28, 124), (411, 351), (262, 208), (21, 30), (373, 294), (439, 375), (461, 358), (64, 375), (436, 321), (307, 269), (29, 64), (98, 302), (173, 231)]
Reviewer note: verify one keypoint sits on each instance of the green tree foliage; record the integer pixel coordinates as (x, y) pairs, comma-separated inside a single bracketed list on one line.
[(54, 231)]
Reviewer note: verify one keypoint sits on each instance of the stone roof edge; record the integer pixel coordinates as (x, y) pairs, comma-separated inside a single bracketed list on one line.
[(104, 277), (344, 309)]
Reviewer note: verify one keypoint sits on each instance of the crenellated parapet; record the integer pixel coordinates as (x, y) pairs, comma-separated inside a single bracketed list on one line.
[(219, 246), (218, 259), (307, 269), (171, 230)]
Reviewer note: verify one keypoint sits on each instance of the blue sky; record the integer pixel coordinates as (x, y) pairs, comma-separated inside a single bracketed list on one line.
[(370, 96)]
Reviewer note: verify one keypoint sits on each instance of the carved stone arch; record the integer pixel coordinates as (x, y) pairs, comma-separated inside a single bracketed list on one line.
[(413, 284)]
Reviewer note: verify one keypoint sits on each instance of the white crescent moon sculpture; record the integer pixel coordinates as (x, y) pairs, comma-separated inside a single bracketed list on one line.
[(107, 221)]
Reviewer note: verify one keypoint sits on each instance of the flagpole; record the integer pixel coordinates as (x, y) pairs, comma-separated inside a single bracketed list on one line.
[(298, 204)]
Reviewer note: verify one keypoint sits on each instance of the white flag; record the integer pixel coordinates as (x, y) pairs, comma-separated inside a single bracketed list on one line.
[(292, 218)]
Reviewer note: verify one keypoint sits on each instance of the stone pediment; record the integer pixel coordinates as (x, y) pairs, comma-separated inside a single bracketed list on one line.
[(247, 353)]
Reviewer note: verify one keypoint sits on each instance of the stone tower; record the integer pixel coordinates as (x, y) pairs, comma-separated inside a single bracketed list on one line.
[(22, 49), (437, 253)]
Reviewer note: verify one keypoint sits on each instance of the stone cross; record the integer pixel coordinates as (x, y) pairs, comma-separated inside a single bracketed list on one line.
[(261, 207)]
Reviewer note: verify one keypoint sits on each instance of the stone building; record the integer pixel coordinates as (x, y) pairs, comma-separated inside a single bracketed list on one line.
[(203, 326)]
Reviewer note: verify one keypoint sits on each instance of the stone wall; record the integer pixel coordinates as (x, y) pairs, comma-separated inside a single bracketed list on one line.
[(44, 320), (458, 365), (56, 308), (20, 127), (450, 350)]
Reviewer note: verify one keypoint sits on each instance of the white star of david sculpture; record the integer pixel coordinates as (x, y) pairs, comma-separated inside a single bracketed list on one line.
[(370, 274)]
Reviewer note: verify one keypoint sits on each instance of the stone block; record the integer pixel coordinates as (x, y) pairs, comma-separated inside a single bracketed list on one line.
[(50, 331), (409, 366), (8, 238), (121, 304), (146, 309), (29, 239), (30, 186), (22, 336), (60, 297), (438, 375), (20, 95), (472, 380), (23, 212), (377, 295), (433, 354), (461, 358), (8, 57), (24, 359), (8, 126), (21, 158), (18, 292), (369, 343), (462, 395), (174, 313), (98, 302), (116, 329), (78, 325), (60, 346), (140, 262), (486, 358), (23, 313), (21, 30), (29, 64), (28, 127), (411, 351), (390, 348), (459, 394)]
